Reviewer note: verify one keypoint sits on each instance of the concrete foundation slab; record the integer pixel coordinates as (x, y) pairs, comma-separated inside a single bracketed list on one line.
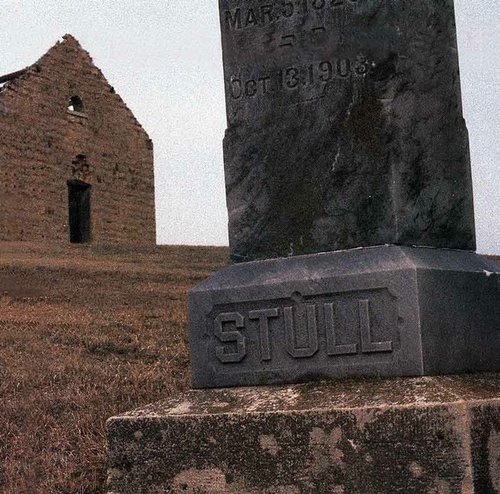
[(430, 435), (380, 311)]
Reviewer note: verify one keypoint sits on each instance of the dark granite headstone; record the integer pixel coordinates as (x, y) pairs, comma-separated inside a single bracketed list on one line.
[(345, 131), (345, 126)]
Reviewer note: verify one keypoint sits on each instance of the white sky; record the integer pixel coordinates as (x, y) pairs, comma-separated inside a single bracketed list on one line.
[(163, 57)]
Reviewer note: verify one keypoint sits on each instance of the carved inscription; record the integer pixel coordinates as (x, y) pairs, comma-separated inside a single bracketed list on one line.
[(293, 78), (311, 330), (367, 345), (310, 35), (239, 354), (266, 14), (302, 325), (263, 317), (304, 27), (332, 347)]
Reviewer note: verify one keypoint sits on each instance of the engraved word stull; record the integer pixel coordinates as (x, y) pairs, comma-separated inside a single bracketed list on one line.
[(230, 329)]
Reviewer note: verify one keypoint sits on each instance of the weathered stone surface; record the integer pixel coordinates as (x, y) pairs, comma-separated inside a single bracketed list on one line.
[(345, 126), (412, 436), (379, 311)]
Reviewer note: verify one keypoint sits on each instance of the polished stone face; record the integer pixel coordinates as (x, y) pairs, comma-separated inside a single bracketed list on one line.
[(380, 311), (345, 126)]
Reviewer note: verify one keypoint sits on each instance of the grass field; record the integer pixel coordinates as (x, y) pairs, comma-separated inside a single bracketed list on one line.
[(86, 333)]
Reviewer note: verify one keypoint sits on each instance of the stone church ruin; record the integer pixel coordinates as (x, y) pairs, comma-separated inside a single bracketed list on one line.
[(75, 164)]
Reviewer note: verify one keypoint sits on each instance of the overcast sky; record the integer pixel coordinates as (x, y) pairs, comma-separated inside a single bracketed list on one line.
[(164, 58)]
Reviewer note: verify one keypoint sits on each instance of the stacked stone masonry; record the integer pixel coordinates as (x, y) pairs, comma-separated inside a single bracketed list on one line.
[(44, 144)]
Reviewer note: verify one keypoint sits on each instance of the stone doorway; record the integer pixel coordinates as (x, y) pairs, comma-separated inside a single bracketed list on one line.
[(79, 211)]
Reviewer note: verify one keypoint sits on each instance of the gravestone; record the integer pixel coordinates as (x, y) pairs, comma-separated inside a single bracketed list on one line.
[(345, 131), (380, 311), (345, 126), (351, 224)]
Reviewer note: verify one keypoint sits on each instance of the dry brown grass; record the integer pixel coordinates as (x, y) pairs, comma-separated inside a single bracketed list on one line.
[(86, 333)]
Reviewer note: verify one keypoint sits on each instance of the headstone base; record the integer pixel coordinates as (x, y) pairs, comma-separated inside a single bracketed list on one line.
[(380, 311), (413, 435)]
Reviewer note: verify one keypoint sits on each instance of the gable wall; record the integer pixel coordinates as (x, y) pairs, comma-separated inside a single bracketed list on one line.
[(39, 143)]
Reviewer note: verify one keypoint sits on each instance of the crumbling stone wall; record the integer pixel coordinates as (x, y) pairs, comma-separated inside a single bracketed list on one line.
[(43, 145)]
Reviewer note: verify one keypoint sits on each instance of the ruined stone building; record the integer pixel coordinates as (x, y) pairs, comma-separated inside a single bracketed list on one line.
[(75, 164)]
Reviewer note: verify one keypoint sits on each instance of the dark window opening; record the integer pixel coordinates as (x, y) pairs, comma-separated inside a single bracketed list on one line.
[(79, 211), (76, 104)]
